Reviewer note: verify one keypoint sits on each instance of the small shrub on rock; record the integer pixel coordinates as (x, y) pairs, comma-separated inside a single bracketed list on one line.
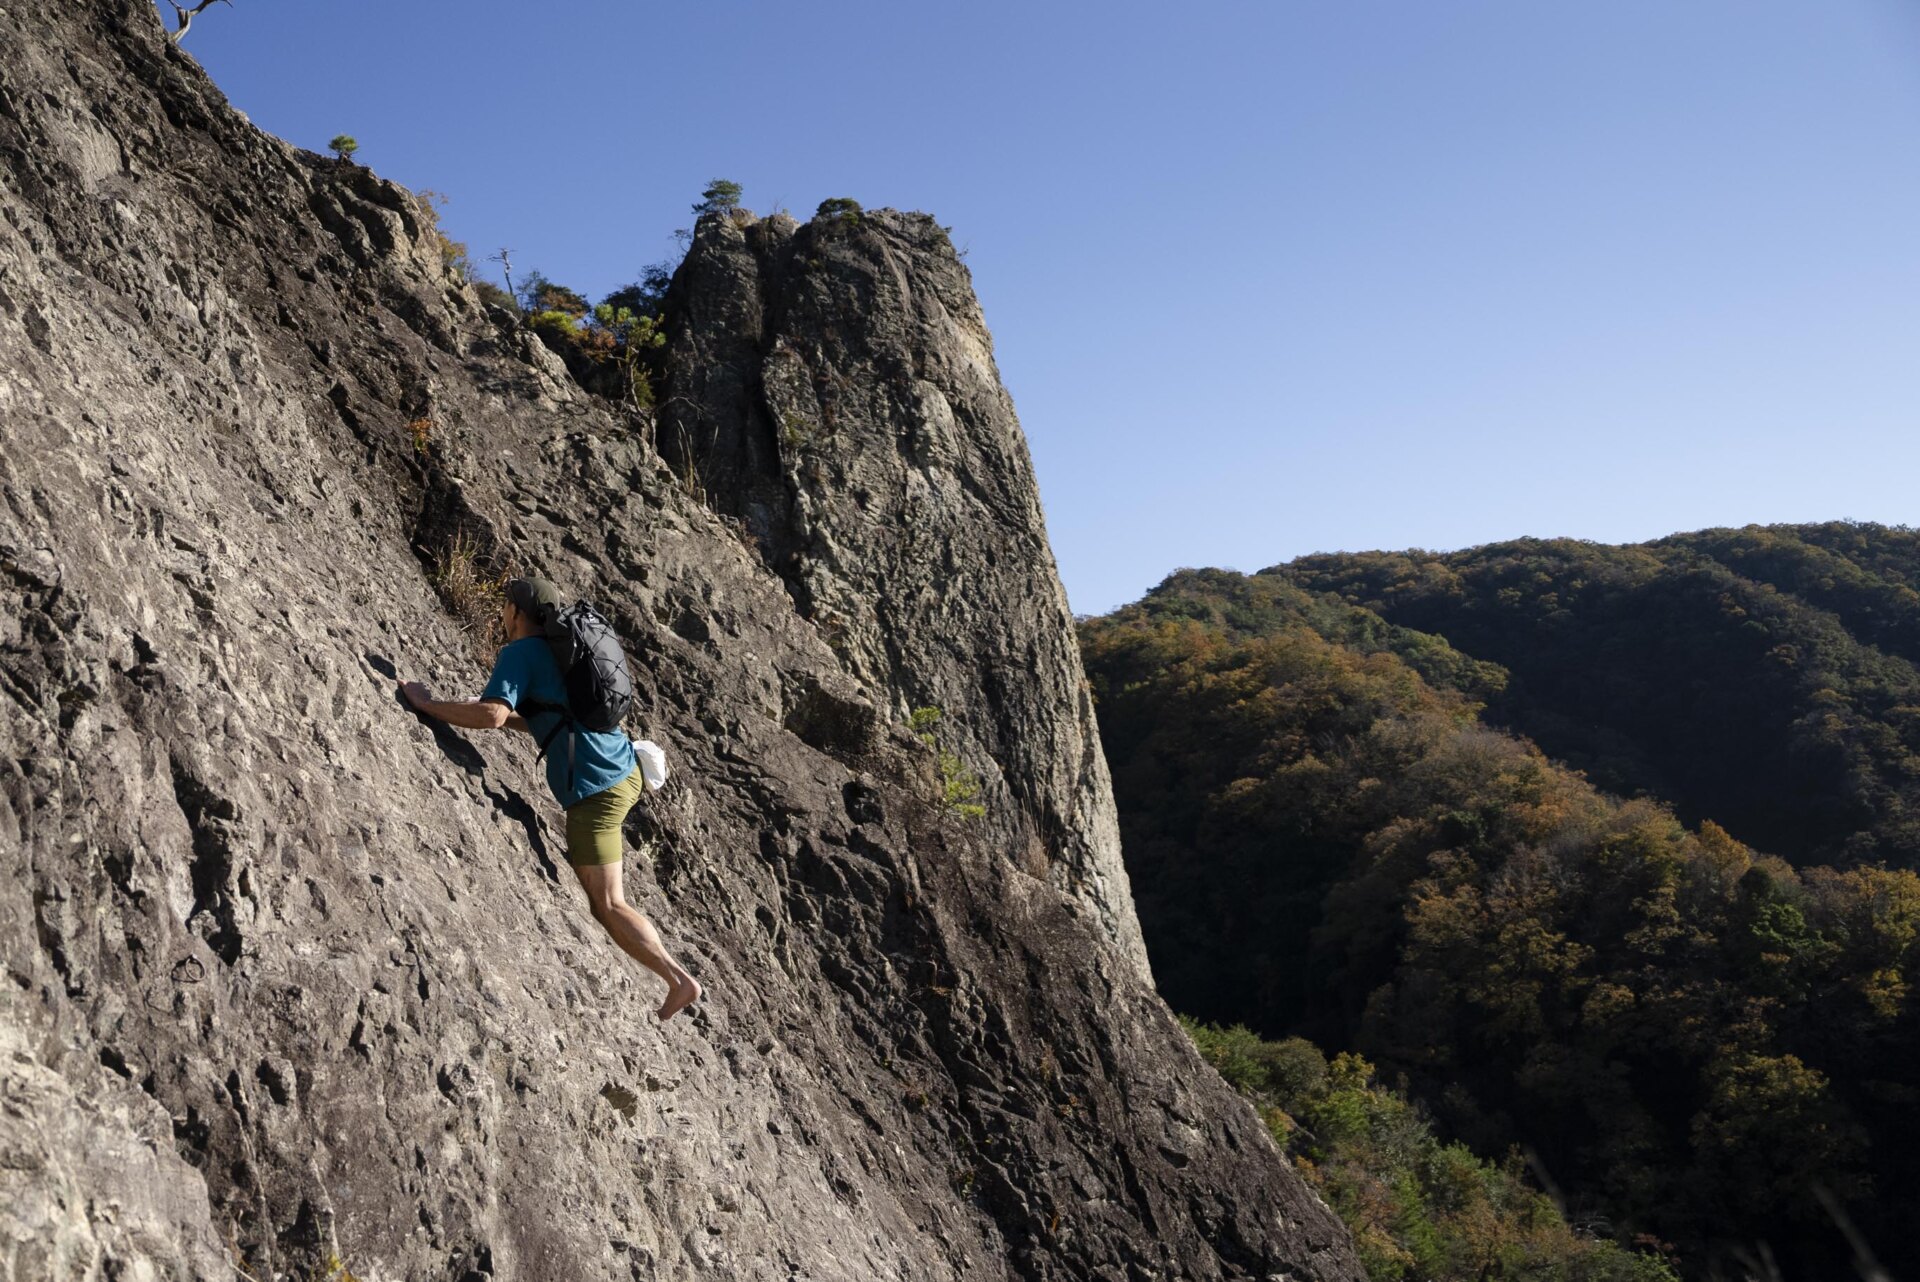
[(555, 324), (958, 785), (473, 594), (494, 296), (454, 257), (839, 209), (539, 294), (720, 197)]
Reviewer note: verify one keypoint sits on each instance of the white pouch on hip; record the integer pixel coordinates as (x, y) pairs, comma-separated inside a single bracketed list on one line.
[(653, 763)]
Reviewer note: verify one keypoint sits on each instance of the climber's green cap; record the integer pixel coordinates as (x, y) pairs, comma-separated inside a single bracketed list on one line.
[(536, 597)]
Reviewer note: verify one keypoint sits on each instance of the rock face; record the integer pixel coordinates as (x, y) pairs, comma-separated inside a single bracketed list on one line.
[(292, 980), (833, 386)]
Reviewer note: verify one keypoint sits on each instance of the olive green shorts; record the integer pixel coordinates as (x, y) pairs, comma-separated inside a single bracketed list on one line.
[(593, 825)]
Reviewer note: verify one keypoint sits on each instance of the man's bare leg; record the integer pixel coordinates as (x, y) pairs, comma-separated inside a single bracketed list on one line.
[(636, 935)]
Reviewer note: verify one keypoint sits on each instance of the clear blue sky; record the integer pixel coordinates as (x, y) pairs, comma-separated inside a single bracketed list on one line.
[(1264, 278)]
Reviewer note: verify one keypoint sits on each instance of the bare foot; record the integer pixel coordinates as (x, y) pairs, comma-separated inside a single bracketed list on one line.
[(682, 995)]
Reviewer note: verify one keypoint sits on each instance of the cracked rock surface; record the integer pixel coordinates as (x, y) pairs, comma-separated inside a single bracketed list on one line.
[(833, 385), (290, 977)]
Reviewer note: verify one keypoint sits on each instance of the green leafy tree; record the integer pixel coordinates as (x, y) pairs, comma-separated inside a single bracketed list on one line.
[(627, 340), (646, 296), (494, 296), (560, 328), (839, 209), (1416, 1206), (720, 197), (343, 147), (608, 348), (538, 294)]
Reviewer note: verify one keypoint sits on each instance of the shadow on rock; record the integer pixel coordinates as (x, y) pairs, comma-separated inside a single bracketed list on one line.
[(453, 747)]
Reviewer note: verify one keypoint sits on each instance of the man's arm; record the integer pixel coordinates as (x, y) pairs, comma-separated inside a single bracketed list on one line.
[(468, 714)]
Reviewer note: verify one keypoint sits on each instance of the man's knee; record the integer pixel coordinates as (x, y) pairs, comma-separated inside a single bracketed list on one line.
[(602, 890), (605, 906)]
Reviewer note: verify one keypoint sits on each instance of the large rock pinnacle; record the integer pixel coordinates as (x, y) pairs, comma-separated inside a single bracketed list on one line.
[(833, 386)]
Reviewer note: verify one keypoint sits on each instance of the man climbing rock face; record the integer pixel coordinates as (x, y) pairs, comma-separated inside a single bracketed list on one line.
[(595, 778)]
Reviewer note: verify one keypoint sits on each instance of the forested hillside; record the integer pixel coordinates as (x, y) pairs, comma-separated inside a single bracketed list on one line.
[(1763, 677), (1333, 829)]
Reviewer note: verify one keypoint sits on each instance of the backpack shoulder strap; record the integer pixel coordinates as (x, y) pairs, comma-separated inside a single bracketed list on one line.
[(538, 706)]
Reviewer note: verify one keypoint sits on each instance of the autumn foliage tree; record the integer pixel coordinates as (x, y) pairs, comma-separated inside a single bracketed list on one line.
[(1325, 836), (1417, 1206), (608, 346)]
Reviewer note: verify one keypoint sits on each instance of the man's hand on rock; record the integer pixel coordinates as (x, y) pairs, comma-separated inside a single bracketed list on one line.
[(415, 693)]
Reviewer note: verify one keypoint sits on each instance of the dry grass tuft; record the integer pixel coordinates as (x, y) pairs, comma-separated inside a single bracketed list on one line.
[(473, 595)]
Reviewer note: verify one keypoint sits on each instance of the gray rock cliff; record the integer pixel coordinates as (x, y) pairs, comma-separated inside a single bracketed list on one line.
[(833, 386), (292, 980)]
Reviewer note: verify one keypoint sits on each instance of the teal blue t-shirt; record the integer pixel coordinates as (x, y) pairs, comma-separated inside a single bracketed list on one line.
[(526, 670)]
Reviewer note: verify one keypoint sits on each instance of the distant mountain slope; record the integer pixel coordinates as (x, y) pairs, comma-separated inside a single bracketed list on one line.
[(1866, 575), (1763, 677), (1326, 836)]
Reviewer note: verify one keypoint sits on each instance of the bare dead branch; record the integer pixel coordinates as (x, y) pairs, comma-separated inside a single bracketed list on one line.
[(505, 259), (187, 16)]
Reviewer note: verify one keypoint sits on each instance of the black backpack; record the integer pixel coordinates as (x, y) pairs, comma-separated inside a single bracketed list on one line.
[(599, 686)]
